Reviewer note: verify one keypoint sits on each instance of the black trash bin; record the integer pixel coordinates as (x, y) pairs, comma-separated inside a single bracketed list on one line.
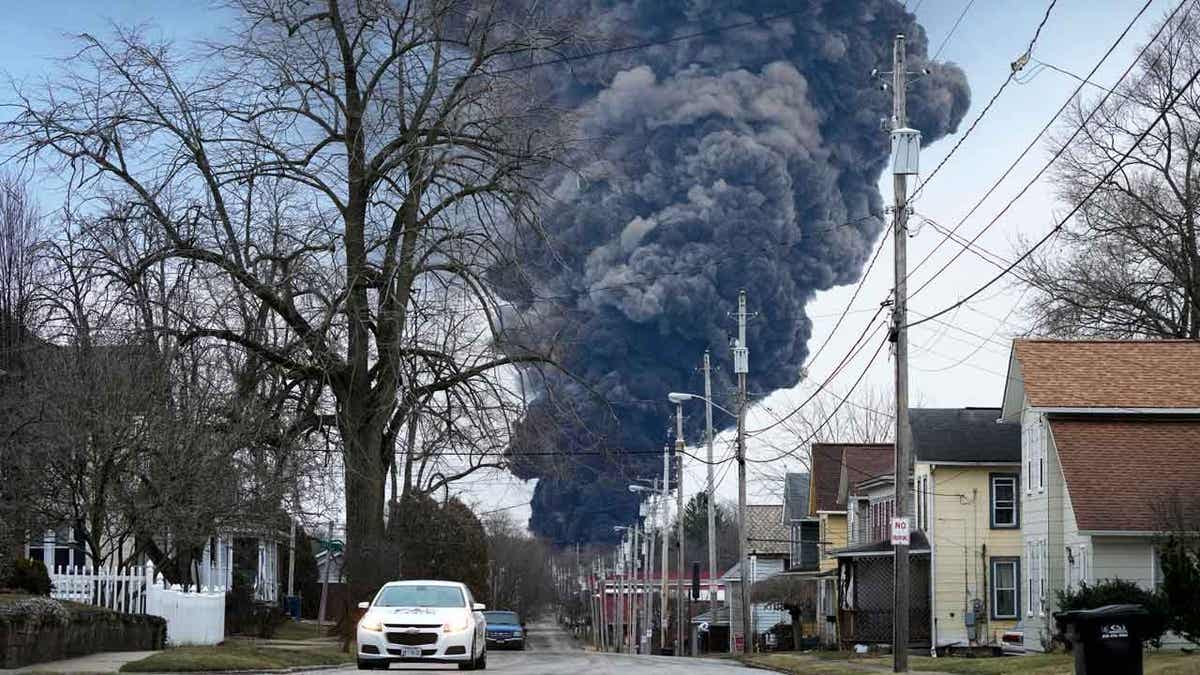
[(1106, 639)]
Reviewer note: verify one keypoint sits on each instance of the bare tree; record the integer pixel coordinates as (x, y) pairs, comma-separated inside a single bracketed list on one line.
[(1128, 264), (20, 322), (341, 155), (863, 416)]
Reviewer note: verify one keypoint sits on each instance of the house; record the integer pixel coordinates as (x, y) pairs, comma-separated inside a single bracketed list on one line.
[(865, 576), (803, 527), (967, 473), (769, 547), (828, 506), (1109, 430)]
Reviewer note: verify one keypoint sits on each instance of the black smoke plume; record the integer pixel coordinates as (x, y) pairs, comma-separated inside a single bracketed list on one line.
[(744, 158)]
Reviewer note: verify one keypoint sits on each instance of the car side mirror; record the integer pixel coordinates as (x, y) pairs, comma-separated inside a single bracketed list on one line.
[(364, 605), (478, 607)]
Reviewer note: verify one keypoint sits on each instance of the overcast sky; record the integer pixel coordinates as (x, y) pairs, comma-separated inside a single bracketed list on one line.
[(957, 362)]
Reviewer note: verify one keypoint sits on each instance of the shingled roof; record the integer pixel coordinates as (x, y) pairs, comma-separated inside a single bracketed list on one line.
[(1107, 373), (765, 531), (964, 435), (1160, 457), (862, 461)]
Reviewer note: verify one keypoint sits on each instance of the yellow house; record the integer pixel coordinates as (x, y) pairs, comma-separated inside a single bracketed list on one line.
[(968, 474), (834, 467)]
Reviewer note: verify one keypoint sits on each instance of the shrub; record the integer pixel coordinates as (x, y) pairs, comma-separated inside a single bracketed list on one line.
[(1181, 584), (29, 576), (244, 615), (1119, 592)]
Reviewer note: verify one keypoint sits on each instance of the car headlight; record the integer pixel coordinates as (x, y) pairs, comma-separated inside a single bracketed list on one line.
[(518, 632), (456, 625), (371, 623)]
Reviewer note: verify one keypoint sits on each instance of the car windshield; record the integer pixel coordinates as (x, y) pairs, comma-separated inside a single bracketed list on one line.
[(502, 617), (411, 595)]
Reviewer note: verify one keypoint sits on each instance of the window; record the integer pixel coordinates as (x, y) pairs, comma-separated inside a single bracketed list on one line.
[(1034, 450), (1031, 577), (1003, 488), (1043, 572), (1041, 446), (1006, 584)]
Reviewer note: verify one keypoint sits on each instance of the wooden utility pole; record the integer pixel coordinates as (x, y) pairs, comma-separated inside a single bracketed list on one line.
[(679, 530), (712, 492), (741, 366), (904, 162)]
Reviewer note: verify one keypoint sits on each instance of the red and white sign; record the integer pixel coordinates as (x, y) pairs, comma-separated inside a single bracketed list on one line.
[(899, 532)]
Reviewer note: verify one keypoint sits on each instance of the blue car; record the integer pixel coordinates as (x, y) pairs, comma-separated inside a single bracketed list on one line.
[(504, 630)]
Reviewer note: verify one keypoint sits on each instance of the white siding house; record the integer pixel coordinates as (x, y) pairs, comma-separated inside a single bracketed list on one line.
[(1109, 429)]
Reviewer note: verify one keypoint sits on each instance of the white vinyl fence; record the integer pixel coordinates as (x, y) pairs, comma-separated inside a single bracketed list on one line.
[(195, 617)]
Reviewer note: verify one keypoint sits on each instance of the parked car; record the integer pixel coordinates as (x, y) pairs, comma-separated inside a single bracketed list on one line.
[(505, 629), (422, 622)]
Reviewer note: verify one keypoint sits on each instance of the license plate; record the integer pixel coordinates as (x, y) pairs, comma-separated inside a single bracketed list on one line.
[(410, 652)]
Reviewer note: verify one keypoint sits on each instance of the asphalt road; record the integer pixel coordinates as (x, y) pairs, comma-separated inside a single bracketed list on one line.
[(551, 651)]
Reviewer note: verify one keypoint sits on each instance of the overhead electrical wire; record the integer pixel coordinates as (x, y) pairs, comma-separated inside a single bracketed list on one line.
[(953, 29), (1045, 128), (1013, 70), (1075, 209)]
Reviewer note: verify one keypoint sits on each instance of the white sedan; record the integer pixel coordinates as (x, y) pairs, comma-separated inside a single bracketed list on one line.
[(422, 621)]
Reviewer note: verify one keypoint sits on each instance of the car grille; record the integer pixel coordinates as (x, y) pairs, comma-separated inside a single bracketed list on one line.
[(412, 639)]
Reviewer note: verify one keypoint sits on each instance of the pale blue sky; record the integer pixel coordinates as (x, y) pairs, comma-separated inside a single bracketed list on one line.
[(951, 366)]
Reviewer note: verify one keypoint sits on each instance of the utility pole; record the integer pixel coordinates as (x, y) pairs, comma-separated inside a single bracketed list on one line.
[(603, 605), (679, 446), (666, 492), (741, 366), (712, 492), (633, 600), (905, 144), (652, 518), (619, 640)]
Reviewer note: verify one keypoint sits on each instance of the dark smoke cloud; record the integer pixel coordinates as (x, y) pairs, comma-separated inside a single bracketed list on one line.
[(744, 159)]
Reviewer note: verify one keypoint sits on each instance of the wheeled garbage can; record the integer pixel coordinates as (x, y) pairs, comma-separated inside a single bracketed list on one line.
[(1106, 639)]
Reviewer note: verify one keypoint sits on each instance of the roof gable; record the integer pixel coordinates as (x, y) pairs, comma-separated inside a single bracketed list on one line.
[(1158, 374), (1159, 457), (765, 531), (964, 435), (863, 460)]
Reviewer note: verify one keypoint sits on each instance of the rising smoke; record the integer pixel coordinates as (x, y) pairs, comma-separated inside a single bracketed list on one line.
[(745, 158)]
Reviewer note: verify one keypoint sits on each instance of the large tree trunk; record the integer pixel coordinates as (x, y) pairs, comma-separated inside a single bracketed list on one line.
[(370, 560)]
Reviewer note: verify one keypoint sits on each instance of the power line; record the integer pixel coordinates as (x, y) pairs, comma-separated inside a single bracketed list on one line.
[(853, 296), (1030, 146), (870, 329), (953, 28), (1116, 167), (1012, 73), (829, 417)]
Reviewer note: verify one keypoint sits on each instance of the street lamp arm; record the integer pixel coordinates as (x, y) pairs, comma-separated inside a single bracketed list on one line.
[(698, 397)]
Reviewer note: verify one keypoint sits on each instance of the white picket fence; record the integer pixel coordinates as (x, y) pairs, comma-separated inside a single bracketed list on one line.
[(195, 617)]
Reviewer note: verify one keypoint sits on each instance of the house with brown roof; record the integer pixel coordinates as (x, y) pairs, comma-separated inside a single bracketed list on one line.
[(769, 548), (834, 468), (1108, 430)]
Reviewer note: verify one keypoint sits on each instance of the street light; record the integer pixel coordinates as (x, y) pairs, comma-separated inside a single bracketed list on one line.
[(679, 398)]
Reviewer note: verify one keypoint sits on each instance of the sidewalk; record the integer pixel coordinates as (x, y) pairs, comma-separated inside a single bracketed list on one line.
[(102, 662)]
